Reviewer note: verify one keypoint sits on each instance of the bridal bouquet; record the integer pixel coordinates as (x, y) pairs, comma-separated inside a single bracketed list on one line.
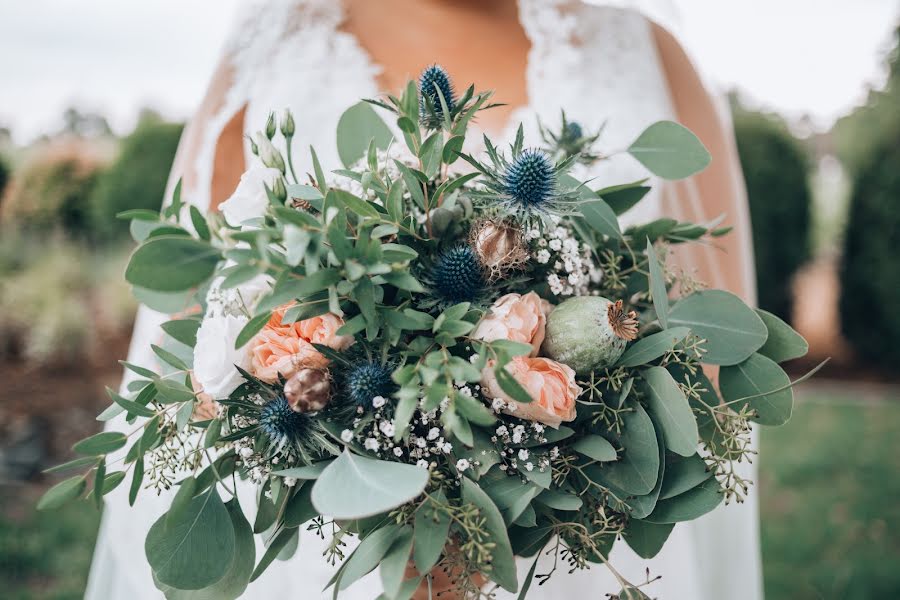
[(456, 359)]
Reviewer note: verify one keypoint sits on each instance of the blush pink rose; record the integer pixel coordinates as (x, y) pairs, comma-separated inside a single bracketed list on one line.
[(284, 348), (517, 318), (551, 385)]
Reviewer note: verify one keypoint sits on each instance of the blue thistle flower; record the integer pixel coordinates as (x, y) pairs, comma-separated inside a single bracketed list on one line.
[(280, 423), (458, 275), (530, 180), (366, 380), (431, 80), (573, 131)]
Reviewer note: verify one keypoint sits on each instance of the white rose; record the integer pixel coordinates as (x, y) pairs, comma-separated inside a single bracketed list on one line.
[(249, 200), (215, 356)]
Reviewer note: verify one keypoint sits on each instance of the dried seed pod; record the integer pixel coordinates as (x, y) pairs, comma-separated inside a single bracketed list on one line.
[(499, 245), (308, 390)]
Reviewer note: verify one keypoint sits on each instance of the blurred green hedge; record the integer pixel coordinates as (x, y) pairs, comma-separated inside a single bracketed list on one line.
[(51, 189), (137, 177), (4, 177), (775, 169), (870, 266)]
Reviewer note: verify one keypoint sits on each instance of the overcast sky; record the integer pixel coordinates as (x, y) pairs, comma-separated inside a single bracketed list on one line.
[(115, 56)]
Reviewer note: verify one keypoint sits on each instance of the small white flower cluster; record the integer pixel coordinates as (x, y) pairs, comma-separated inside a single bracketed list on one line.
[(510, 439), (376, 434), (573, 267)]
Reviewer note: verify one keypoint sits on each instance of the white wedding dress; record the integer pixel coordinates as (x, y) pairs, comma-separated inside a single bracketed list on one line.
[(596, 60)]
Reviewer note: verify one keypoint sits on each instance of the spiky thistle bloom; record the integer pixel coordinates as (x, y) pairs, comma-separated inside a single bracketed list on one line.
[(280, 422), (571, 141), (525, 186), (457, 276), (530, 180), (366, 380), (434, 83)]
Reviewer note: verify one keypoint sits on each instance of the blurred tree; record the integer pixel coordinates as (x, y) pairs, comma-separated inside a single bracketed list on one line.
[(84, 124), (857, 134), (870, 274), (775, 169), (50, 189), (4, 176), (137, 178)]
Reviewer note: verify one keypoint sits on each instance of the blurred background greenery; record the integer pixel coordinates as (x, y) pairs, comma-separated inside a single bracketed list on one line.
[(826, 218)]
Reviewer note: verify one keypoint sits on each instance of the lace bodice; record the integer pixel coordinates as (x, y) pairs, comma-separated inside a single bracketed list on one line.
[(596, 62)]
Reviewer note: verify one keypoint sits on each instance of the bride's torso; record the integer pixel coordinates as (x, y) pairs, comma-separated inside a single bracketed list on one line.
[(599, 64)]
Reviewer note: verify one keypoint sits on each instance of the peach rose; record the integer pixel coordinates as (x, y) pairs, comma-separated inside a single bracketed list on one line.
[(285, 348), (517, 318), (551, 385)]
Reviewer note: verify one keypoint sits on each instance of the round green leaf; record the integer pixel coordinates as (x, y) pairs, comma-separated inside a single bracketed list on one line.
[(62, 492), (637, 470), (596, 447), (171, 263), (354, 487), (669, 406), (670, 151), (682, 474), (356, 128), (764, 384), (101, 443), (783, 342), (731, 329), (688, 506), (197, 550), (236, 579), (646, 539)]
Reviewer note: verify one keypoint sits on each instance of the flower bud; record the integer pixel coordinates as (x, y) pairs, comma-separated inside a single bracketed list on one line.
[(308, 390), (270, 155), (499, 246), (287, 124), (270, 126), (253, 147), (279, 190)]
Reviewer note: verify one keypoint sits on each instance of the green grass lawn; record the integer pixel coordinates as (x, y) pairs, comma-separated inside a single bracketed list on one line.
[(830, 487)]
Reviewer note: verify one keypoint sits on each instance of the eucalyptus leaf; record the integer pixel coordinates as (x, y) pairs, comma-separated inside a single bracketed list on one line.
[(637, 471), (356, 128), (670, 151), (601, 217), (393, 565), (688, 506), (62, 493), (171, 263), (431, 530), (762, 378), (652, 347), (368, 554), (731, 329), (783, 342), (503, 563), (378, 486), (669, 406), (236, 579), (658, 286), (197, 550), (101, 443), (645, 538), (682, 474), (596, 447)]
